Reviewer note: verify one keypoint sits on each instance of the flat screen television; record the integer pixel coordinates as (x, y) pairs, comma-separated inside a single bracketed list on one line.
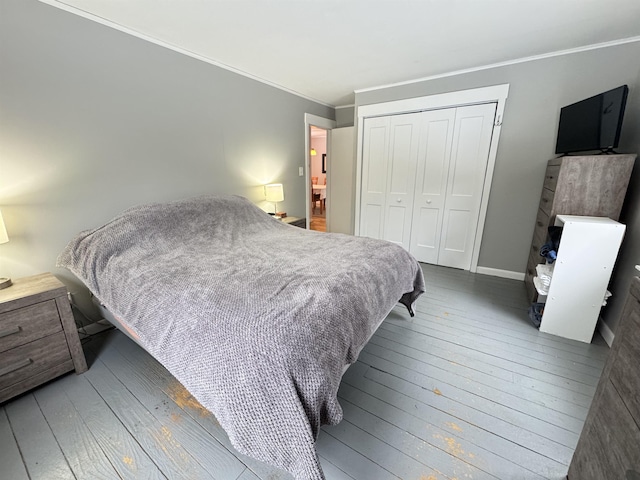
[(593, 123)]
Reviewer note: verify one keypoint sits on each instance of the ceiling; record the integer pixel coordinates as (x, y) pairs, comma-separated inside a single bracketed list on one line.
[(327, 49)]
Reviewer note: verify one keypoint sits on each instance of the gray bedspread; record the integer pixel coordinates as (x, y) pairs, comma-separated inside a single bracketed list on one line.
[(254, 317)]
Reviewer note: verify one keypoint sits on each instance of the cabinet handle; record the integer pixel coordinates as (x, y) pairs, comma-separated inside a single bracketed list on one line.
[(428, 201), (9, 331), (399, 200), (16, 366)]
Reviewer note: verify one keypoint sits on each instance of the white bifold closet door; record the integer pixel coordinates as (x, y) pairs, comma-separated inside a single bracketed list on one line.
[(423, 178)]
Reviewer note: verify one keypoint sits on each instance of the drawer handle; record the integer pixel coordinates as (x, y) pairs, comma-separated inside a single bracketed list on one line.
[(9, 331), (16, 366)]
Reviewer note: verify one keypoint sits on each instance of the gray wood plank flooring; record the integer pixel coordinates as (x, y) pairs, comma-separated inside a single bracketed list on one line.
[(466, 389)]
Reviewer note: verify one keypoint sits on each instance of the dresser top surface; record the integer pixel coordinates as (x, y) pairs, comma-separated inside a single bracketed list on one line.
[(44, 283)]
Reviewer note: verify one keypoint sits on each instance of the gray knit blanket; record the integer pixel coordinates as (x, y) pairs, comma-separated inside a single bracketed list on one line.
[(256, 318)]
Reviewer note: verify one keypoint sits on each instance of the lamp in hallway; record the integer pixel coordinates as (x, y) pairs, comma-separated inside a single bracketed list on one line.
[(4, 238), (274, 192)]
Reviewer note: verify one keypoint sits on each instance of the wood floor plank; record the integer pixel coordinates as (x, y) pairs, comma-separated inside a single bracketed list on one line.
[(82, 451), (509, 331), (176, 427), (41, 453), (10, 459), (446, 436), (509, 343), (501, 438), (349, 460), (156, 438), (462, 404), (502, 391), (549, 365), (446, 457), (156, 373), (123, 451), (492, 364), (397, 463), (248, 475)]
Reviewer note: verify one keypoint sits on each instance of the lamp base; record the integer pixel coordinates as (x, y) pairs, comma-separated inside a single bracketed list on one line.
[(5, 282)]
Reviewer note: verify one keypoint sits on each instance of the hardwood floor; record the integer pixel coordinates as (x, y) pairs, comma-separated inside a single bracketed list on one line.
[(318, 223), (467, 389)]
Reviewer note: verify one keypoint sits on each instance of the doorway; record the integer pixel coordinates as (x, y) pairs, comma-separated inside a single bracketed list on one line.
[(318, 175), (318, 141)]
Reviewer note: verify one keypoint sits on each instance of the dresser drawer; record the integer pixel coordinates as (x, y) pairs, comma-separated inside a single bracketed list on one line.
[(24, 325), (551, 177), (546, 200), (33, 358)]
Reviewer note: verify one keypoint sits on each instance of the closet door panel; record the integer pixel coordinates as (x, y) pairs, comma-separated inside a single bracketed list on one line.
[(374, 176), (469, 155), (403, 156), (436, 136)]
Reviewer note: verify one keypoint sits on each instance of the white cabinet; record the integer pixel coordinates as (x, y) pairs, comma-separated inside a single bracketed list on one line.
[(585, 259)]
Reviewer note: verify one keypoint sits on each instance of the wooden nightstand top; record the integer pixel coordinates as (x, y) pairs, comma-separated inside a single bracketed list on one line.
[(29, 290)]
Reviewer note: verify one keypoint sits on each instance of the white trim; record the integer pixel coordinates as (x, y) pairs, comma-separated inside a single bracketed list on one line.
[(532, 58), (321, 122), (605, 331), (495, 93), (351, 105), (175, 48), (496, 272)]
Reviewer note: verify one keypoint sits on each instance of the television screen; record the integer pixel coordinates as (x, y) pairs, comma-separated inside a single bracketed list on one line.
[(592, 124)]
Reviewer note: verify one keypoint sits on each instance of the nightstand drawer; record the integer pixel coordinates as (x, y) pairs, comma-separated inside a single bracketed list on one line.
[(24, 325), (35, 357)]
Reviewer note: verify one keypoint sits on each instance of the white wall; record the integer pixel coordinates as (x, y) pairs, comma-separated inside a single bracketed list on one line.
[(93, 121)]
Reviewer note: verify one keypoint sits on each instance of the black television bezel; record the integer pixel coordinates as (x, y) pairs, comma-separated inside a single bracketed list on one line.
[(585, 147)]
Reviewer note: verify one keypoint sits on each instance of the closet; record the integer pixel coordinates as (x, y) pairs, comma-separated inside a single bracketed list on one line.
[(423, 177)]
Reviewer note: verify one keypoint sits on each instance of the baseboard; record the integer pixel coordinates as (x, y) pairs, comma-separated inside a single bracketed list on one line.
[(495, 272), (606, 332)]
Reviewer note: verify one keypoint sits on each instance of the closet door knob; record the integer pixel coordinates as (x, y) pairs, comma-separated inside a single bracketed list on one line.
[(429, 201), (399, 200)]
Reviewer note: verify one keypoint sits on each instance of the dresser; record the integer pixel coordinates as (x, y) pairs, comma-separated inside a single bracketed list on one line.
[(590, 185), (609, 445), (38, 336), (295, 221)]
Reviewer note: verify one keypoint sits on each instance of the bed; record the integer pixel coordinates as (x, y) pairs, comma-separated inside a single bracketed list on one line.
[(256, 318)]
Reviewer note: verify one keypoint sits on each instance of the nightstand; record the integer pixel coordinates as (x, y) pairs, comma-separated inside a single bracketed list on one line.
[(38, 335), (295, 221)]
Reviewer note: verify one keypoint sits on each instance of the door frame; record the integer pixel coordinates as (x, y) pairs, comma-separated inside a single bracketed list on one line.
[(326, 124), (493, 94)]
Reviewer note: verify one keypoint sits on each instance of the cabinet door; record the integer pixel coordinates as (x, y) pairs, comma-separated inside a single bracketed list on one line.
[(465, 183), (403, 158), (436, 136), (375, 152)]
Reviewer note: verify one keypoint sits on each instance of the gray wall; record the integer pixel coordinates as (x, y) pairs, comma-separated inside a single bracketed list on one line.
[(538, 89), (93, 121), (345, 116)]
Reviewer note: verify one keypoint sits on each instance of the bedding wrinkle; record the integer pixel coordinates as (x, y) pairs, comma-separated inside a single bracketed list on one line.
[(257, 319)]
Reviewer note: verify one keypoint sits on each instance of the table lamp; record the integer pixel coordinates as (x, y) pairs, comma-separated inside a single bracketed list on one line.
[(4, 238), (274, 193)]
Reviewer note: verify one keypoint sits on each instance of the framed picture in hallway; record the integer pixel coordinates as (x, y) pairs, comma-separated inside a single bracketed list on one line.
[(324, 163)]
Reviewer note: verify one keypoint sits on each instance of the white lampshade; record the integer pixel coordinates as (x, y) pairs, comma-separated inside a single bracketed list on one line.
[(4, 238), (274, 192)]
